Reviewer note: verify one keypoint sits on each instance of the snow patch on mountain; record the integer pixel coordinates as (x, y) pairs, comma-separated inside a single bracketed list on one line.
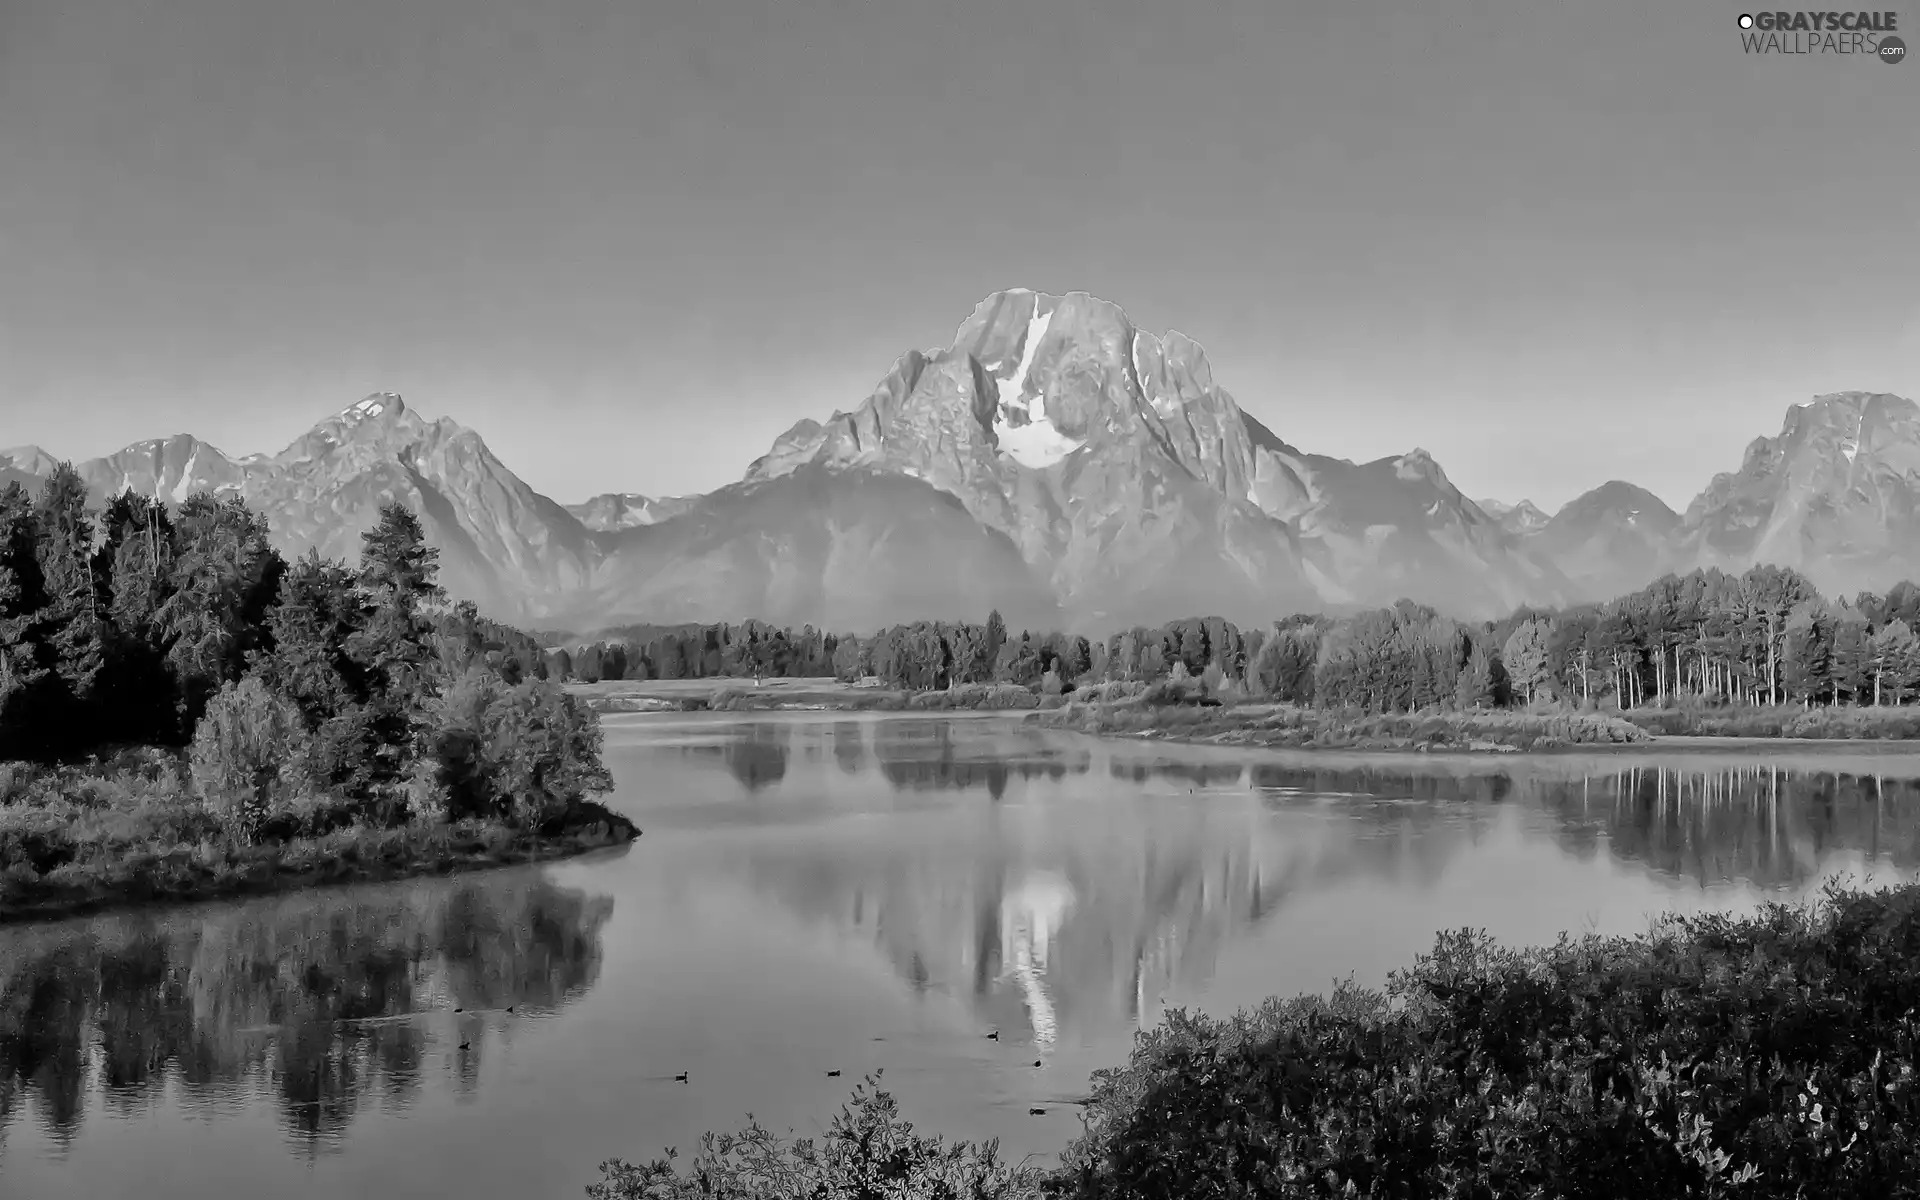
[(1034, 442)]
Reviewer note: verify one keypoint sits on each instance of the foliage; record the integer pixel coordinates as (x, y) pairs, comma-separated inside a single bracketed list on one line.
[(1766, 1056), (1168, 709), (317, 700), (247, 754), (132, 828), (868, 1153)]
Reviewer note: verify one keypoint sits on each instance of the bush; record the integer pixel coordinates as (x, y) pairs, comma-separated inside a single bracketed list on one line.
[(524, 753), (868, 1153), (1765, 1056), (247, 754)]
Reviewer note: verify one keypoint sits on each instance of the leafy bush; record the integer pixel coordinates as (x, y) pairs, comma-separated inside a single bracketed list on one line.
[(1764, 1056), (868, 1153), (525, 752), (246, 756)]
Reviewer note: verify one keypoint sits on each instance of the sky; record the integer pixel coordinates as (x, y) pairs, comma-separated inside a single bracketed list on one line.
[(1552, 243)]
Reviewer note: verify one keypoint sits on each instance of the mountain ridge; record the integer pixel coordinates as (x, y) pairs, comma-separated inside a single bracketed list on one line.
[(1060, 459)]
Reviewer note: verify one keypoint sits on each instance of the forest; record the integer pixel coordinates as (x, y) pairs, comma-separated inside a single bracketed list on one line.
[(188, 712)]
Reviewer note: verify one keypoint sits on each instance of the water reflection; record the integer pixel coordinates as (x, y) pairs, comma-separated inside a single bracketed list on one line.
[(320, 1005), (1078, 916), (810, 881)]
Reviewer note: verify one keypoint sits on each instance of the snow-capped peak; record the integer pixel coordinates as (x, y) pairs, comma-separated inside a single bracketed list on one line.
[(375, 405)]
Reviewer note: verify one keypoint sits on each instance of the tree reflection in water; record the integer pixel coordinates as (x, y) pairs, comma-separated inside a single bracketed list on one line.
[(1076, 917), (325, 1002)]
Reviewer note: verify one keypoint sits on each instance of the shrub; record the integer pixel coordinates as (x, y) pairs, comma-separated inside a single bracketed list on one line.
[(524, 752), (868, 1153), (246, 756), (1764, 1056)]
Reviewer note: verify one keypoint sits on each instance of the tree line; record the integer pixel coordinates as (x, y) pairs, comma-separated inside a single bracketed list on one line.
[(356, 689), (1766, 636)]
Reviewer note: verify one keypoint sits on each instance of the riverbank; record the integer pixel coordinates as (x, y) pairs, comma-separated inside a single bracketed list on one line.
[(1286, 726), (77, 840), (1673, 1063)]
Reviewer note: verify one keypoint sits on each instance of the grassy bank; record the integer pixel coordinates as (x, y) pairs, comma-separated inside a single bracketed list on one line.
[(131, 830), (1769, 1056), (1825, 723), (1286, 725), (777, 695)]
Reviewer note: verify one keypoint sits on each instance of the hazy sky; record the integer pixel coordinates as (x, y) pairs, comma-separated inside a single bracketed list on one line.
[(1552, 243)]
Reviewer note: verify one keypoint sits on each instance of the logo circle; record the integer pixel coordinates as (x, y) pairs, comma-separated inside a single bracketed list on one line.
[(1892, 49), (1746, 20)]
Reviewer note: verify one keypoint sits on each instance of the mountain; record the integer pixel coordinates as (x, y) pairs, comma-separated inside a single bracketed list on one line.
[(1517, 519), (501, 544), (24, 465), (1063, 465), (1836, 495), (624, 510), (1137, 487), (852, 549), (171, 469), (1611, 540), (847, 550)]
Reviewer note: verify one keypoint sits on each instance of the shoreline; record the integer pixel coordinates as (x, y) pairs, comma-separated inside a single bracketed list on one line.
[(729, 695), (333, 860), (1655, 744)]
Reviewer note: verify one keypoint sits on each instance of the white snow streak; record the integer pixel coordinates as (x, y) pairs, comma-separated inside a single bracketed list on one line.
[(184, 488), (1036, 444)]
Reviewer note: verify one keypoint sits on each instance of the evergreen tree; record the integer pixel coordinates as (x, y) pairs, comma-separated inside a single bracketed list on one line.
[(393, 645), (71, 624), (25, 676), (226, 576)]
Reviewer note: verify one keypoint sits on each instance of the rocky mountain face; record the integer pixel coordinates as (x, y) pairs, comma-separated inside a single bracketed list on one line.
[(1135, 486), (847, 550), (1517, 519), (1067, 467), (1836, 495), (624, 510), (502, 544)]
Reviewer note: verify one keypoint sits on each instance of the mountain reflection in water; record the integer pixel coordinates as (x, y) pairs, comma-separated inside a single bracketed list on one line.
[(824, 892), (1080, 916)]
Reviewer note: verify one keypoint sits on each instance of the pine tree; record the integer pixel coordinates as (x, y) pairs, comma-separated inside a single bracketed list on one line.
[(25, 676), (226, 576), (393, 645), (72, 623)]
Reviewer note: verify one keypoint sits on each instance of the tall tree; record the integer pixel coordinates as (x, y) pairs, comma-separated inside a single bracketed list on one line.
[(24, 672), (226, 575), (73, 624)]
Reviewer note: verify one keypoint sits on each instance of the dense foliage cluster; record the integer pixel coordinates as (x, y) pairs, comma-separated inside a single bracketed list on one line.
[(1764, 1056), (314, 697)]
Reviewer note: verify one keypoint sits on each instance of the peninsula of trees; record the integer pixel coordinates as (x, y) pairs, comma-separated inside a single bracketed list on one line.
[(189, 714)]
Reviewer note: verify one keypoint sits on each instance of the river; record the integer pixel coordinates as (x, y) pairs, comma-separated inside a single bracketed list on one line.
[(826, 892)]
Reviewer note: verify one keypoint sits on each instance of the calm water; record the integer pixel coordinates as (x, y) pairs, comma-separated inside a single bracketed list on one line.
[(817, 893)]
